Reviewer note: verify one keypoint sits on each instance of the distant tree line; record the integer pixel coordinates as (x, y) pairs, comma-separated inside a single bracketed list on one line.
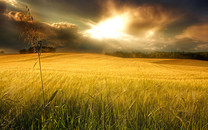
[(45, 49), (171, 55)]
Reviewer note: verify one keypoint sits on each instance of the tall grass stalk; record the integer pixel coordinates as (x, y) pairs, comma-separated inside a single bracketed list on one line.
[(41, 76), (31, 36)]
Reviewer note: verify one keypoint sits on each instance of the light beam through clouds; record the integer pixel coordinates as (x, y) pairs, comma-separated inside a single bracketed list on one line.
[(112, 28), (110, 25)]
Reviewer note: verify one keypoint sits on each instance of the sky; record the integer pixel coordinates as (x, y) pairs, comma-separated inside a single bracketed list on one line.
[(101, 26)]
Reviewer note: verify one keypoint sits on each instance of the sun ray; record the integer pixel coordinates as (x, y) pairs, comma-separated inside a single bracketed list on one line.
[(111, 28)]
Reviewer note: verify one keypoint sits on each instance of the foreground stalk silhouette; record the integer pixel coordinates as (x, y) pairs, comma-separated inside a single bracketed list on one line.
[(32, 38), (41, 75)]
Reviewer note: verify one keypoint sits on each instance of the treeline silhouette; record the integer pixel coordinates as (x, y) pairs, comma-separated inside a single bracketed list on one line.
[(170, 55), (45, 49)]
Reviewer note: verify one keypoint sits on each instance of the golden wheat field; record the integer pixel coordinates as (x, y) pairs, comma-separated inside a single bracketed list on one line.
[(103, 92)]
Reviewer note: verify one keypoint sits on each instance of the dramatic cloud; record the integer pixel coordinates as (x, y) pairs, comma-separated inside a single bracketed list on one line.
[(111, 25), (145, 18), (196, 32), (63, 36), (91, 8), (17, 16)]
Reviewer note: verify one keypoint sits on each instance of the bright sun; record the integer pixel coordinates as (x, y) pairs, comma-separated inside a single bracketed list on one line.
[(110, 29)]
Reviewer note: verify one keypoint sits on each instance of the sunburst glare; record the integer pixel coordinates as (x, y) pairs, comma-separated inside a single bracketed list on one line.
[(111, 28)]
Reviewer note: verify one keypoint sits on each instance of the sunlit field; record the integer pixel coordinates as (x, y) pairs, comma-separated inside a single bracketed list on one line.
[(103, 92)]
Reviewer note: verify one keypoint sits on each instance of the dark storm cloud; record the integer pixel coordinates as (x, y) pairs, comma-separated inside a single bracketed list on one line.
[(2, 7), (176, 24), (191, 12), (82, 8), (179, 14), (148, 17), (86, 8), (190, 26), (66, 37), (185, 5), (9, 38), (187, 44), (196, 32), (63, 36)]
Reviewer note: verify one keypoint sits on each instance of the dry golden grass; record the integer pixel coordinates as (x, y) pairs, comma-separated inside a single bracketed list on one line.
[(99, 91)]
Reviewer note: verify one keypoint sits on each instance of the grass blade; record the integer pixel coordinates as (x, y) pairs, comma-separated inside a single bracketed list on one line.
[(51, 99), (35, 64)]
